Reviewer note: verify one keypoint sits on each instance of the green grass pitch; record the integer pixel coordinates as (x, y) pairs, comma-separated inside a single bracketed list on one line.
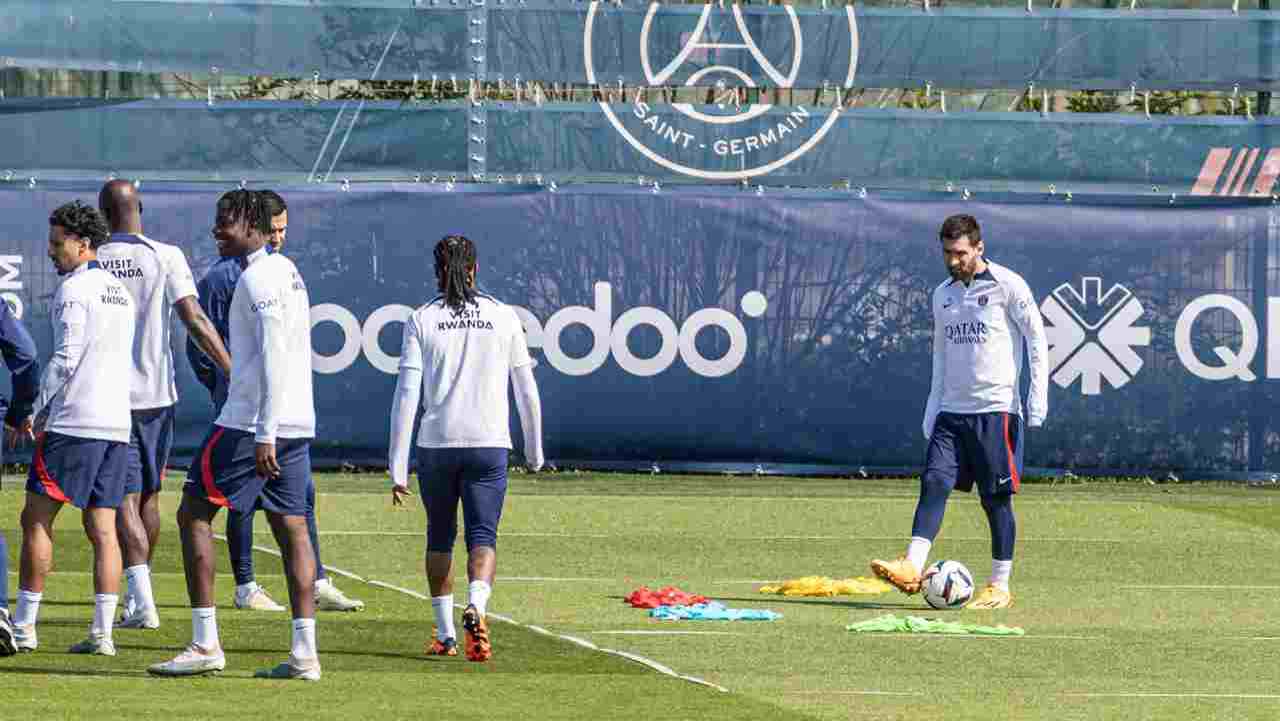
[(1139, 602)]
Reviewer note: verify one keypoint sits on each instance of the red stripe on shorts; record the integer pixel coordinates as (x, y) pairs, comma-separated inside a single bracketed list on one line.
[(206, 472), (51, 487), (1008, 447)]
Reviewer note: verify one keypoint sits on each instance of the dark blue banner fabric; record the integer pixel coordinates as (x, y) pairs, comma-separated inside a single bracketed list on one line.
[(728, 326), (800, 145), (654, 44)]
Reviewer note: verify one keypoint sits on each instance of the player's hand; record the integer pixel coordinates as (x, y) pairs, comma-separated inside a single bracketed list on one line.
[(25, 431), (264, 456), (398, 494)]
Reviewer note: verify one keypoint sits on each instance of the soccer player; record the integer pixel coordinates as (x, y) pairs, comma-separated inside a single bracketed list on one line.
[(81, 424), (459, 351), (982, 316), (220, 281), (19, 353), (159, 279), (258, 450)]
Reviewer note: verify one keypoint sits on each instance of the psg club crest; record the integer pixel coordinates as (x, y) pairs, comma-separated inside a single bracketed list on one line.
[(733, 53)]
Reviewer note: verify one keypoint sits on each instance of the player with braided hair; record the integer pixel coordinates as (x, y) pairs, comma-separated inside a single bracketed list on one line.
[(460, 353)]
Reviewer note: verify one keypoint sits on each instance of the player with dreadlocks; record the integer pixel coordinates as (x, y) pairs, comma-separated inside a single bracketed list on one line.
[(259, 448), (460, 351)]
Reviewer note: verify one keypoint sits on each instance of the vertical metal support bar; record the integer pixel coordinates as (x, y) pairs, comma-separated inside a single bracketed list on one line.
[(1266, 51), (1259, 408), (477, 113)]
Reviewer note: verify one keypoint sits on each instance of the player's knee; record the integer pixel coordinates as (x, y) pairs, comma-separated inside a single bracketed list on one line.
[(481, 538), (998, 502), (442, 539)]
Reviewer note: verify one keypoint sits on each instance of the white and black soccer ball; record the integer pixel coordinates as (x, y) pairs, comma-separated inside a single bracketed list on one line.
[(949, 585)]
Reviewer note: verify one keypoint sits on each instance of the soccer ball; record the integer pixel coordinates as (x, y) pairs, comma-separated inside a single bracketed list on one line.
[(949, 585)]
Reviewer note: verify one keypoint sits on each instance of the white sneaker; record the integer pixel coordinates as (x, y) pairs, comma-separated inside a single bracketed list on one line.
[(7, 646), (141, 618), (257, 600), (329, 598), (24, 638), (193, 661), (96, 644), (295, 668)]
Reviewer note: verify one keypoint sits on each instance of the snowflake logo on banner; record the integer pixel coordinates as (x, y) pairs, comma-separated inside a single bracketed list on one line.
[(1092, 335)]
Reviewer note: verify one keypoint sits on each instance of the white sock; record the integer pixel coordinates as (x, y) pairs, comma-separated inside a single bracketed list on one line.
[(204, 627), (243, 590), (918, 552), (28, 608), (304, 638), (1000, 572), (139, 578), (443, 608), (478, 595), (104, 612), (322, 583)]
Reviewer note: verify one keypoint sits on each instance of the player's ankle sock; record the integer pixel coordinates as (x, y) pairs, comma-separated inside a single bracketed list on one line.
[(304, 638), (204, 627), (1000, 572), (104, 613), (442, 606), (478, 595), (918, 552), (244, 590), (28, 608), (321, 583), (139, 579)]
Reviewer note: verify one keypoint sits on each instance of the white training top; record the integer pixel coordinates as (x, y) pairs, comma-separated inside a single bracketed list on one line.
[(466, 358), (158, 276), (978, 334), (85, 388), (270, 327)]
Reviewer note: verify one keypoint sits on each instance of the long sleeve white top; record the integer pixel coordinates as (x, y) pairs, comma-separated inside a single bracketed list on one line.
[(979, 332)]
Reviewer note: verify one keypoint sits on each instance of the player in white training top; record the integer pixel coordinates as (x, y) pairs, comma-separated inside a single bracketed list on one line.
[(159, 279), (81, 424), (460, 353), (259, 448), (982, 317)]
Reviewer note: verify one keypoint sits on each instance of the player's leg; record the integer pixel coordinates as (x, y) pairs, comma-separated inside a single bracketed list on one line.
[(942, 468), (159, 444), (248, 594), (999, 479), (328, 596), (484, 490), (34, 561), (438, 486), (130, 530), (7, 646), (223, 475), (284, 500), (100, 527)]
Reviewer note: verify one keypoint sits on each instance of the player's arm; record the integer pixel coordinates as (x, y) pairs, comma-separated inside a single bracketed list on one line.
[(19, 352), (1026, 315), (70, 324), (528, 402), (404, 405), (203, 335), (937, 379), (267, 307), (181, 293)]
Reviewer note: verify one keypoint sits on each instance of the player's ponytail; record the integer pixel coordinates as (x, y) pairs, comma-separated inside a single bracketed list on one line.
[(455, 261)]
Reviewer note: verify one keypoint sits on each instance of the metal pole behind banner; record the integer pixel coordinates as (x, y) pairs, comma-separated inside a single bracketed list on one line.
[(1265, 50), (1258, 407)]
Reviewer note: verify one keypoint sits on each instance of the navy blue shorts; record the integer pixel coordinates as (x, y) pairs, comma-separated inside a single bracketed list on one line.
[(85, 472), (224, 473), (150, 440), (981, 448), (475, 476)]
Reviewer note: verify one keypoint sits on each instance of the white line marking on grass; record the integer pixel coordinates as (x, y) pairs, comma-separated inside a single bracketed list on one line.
[(572, 639), (551, 579), (1201, 588), (853, 693), (538, 534), (1175, 695), (327, 567), (665, 633)]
